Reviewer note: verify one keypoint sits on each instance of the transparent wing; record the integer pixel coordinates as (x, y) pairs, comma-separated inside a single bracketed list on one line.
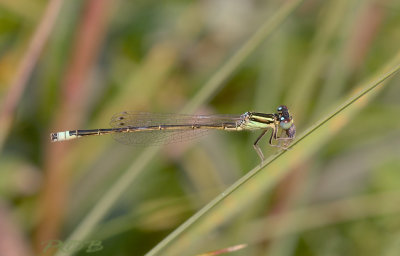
[(160, 137)]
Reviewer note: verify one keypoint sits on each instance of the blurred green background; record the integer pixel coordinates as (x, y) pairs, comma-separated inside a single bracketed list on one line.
[(68, 65)]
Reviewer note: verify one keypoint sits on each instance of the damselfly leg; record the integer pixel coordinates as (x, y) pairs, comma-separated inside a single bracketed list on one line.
[(257, 147)]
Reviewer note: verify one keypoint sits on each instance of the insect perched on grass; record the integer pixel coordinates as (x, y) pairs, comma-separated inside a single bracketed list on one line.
[(155, 129)]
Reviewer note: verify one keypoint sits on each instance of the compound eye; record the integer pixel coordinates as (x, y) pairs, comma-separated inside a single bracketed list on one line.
[(282, 108), (282, 118)]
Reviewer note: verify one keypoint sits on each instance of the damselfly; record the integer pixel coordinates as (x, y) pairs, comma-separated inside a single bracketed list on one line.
[(153, 129)]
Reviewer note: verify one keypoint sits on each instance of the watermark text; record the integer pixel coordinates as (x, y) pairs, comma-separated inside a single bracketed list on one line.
[(71, 246)]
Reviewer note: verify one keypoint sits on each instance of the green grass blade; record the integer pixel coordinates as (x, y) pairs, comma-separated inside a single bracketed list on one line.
[(256, 182), (89, 223)]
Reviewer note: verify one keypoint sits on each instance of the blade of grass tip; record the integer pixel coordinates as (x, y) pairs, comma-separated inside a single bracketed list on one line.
[(88, 224), (306, 146)]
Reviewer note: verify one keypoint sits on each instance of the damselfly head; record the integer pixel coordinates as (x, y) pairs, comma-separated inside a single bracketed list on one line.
[(285, 119)]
